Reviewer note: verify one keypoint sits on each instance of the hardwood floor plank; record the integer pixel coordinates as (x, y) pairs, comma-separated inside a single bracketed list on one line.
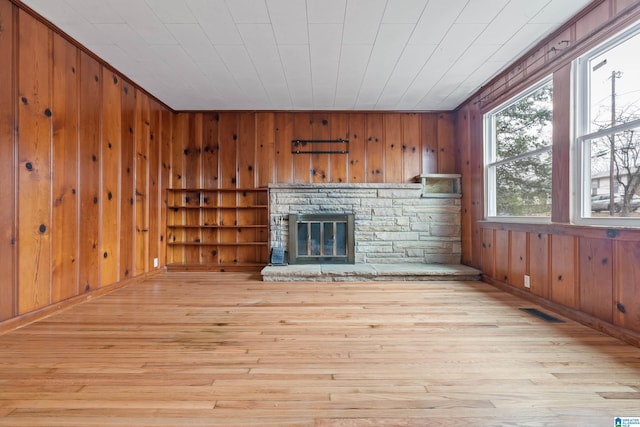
[(227, 349)]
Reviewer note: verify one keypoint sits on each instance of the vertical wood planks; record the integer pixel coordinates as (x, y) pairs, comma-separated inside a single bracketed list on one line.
[(111, 172), (283, 134), (463, 131), (8, 282), (374, 147), (127, 234), (446, 148), (34, 164), (210, 165), (165, 176), (393, 152), (154, 183), (411, 153), (429, 143), (338, 164), (539, 264), (141, 206), (246, 179), (357, 148), (518, 258), (64, 232), (320, 130), (502, 255), (210, 150), (265, 149), (302, 162), (488, 252), (596, 278), (228, 179), (89, 155), (626, 283), (564, 283)]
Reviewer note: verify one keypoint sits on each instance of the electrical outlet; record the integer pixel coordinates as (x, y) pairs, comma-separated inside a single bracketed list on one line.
[(156, 262), (527, 281)]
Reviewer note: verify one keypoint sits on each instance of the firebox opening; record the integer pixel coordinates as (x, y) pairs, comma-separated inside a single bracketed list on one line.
[(326, 238)]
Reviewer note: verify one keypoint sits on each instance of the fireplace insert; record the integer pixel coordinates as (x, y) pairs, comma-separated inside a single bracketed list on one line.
[(321, 238)]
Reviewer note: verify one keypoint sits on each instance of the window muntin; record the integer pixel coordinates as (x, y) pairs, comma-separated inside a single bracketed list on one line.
[(518, 140), (608, 132)]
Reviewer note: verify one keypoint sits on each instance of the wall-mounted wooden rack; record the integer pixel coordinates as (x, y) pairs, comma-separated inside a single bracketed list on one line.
[(319, 146)]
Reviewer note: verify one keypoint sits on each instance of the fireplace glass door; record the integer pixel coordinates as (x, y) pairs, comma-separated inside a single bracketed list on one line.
[(321, 238)]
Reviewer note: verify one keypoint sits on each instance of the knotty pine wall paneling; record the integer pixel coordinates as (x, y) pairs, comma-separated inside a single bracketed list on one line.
[(626, 290), (192, 178), (265, 150), (90, 155), (111, 171), (463, 151), (127, 180), (357, 163), (142, 185), (166, 144), (302, 162), (429, 142), (210, 164), (393, 147), (411, 154), (65, 221), (501, 257), (8, 285), (320, 128), (596, 277), (374, 147), (446, 143), (68, 163), (228, 138), (34, 163), (283, 134), (539, 264), (518, 258), (339, 162), (564, 278), (246, 178), (154, 186)]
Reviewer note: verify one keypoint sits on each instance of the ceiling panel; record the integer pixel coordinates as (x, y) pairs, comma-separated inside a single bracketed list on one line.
[(309, 54)]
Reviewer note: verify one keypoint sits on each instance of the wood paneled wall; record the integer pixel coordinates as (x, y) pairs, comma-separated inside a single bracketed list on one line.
[(590, 273), (84, 158), (253, 149)]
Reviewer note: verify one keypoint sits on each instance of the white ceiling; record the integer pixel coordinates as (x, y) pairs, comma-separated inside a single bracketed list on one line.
[(309, 54)]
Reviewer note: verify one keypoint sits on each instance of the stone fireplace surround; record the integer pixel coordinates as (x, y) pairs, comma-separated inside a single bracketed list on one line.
[(394, 223)]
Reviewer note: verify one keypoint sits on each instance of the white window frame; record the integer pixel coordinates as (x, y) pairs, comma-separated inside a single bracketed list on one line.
[(490, 163), (582, 148)]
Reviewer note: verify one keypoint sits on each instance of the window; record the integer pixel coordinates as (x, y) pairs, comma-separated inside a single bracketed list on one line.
[(518, 139), (608, 131)]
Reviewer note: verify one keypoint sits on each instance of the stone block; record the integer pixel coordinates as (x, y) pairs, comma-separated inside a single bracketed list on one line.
[(396, 236)]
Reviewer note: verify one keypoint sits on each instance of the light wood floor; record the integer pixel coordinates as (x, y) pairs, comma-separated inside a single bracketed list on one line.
[(194, 349)]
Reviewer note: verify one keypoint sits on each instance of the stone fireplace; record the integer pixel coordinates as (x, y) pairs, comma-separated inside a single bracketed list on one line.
[(392, 223)]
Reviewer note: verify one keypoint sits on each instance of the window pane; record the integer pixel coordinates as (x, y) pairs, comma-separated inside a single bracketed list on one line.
[(525, 125), (523, 186), (623, 170), (614, 82)]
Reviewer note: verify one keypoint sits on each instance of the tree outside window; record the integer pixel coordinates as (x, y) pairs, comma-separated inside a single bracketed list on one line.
[(518, 147)]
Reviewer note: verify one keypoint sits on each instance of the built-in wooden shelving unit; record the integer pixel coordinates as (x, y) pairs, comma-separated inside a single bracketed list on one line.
[(217, 229)]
